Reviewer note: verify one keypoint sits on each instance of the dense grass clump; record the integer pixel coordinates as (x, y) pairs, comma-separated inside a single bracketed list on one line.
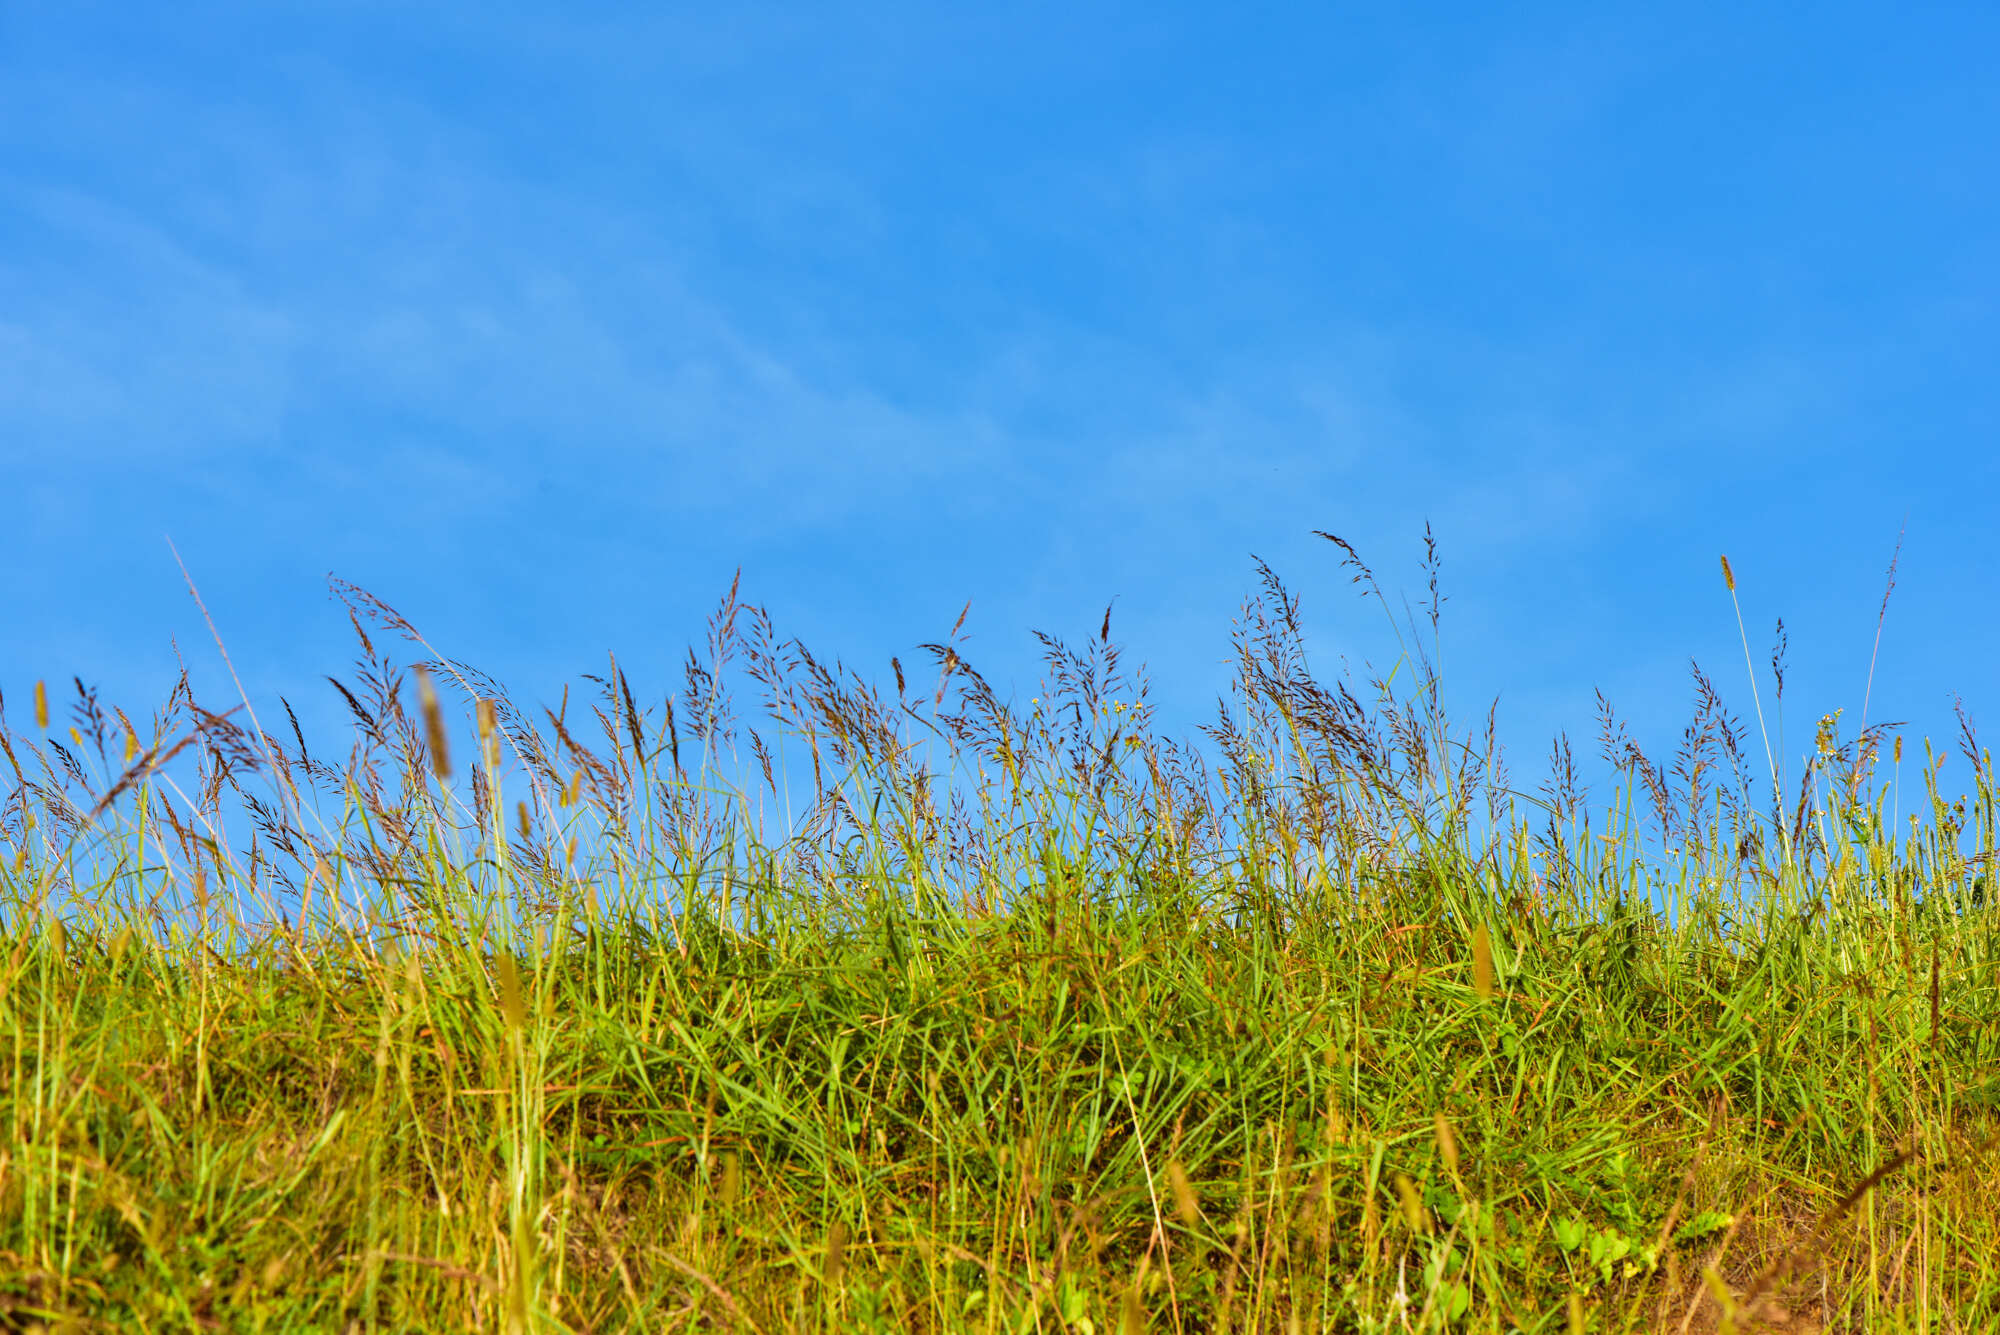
[(1028, 1022)]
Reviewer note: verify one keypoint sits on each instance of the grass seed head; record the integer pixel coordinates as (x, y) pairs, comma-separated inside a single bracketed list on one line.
[(1447, 1142), (1132, 1313), (1482, 963), (836, 1253), (732, 1179), (489, 733), (511, 1006), (1184, 1202), (1414, 1213), (434, 734)]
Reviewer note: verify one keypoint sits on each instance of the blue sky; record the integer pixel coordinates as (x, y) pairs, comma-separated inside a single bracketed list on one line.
[(538, 324)]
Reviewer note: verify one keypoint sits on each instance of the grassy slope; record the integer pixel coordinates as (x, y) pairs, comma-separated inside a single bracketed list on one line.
[(1347, 1036)]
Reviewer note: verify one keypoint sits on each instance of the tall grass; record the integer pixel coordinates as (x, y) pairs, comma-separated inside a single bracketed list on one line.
[(1029, 1022)]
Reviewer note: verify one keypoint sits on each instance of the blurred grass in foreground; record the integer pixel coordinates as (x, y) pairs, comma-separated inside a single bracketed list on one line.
[(1066, 1034)]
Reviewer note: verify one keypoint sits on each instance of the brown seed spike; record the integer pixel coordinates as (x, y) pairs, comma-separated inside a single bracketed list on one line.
[(1414, 1213), (489, 734), (1447, 1142), (732, 1179), (836, 1253), (1132, 1309), (1482, 963), (512, 1008), (897, 664), (632, 707), (434, 733), (42, 706), (1728, 575), (1185, 1205), (950, 664)]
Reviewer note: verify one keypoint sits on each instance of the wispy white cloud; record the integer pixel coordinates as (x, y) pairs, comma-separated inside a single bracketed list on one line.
[(126, 344), (381, 259)]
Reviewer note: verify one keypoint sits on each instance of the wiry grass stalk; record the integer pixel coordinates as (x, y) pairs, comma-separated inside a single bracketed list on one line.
[(1757, 696)]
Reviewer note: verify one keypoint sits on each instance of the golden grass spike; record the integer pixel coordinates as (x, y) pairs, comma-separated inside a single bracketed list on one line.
[(1728, 575), (1447, 1142), (511, 1005), (489, 734), (42, 706), (1414, 1213), (1185, 1206), (434, 734), (1132, 1306), (1482, 963), (836, 1253), (732, 1179)]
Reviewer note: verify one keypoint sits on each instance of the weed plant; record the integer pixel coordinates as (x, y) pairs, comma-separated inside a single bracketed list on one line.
[(1029, 1022)]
